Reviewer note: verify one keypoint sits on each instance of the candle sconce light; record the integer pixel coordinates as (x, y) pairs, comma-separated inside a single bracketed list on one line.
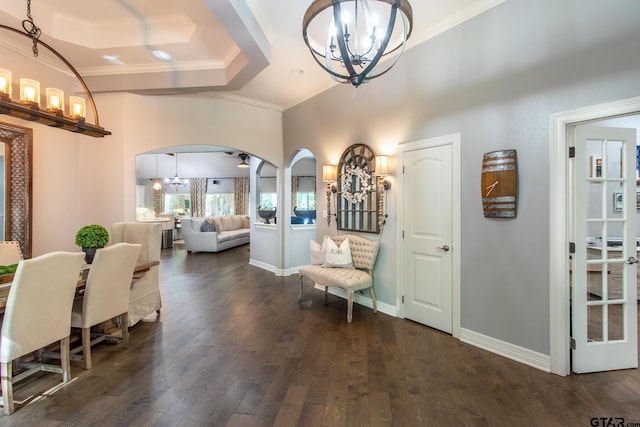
[(382, 171), (329, 176)]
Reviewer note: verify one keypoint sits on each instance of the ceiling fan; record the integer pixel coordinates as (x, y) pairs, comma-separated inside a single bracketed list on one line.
[(243, 163)]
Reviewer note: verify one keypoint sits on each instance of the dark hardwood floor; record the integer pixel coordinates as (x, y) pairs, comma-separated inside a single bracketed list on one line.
[(234, 347)]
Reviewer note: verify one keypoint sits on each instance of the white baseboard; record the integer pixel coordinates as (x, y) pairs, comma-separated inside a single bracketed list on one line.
[(292, 270), (268, 267), (277, 271), (361, 299), (508, 350)]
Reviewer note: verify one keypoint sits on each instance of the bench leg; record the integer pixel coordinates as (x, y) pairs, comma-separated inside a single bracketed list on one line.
[(373, 299), (349, 305)]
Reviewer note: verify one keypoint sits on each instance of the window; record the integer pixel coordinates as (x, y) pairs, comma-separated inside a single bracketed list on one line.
[(217, 204), (177, 203), (268, 200), (306, 200)]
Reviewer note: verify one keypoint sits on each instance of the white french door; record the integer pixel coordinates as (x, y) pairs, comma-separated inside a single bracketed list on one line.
[(604, 262)]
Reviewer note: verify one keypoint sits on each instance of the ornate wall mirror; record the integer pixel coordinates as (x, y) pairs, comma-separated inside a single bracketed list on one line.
[(357, 204), (17, 194)]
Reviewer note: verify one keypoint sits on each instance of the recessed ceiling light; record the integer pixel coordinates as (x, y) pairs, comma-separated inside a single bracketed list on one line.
[(297, 71), (161, 54), (113, 59)]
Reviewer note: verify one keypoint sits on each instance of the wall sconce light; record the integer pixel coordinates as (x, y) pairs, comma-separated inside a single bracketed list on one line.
[(329, 175), (27, 107), (382, 171), (382, 184)]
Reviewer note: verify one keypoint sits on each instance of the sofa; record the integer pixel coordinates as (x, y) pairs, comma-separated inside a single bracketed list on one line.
[(144, 297), (215, 234)]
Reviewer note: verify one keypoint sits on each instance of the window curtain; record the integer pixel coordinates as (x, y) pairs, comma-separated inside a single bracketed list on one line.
[(294, 193), (198, 196), (241, 196), (158, 198)]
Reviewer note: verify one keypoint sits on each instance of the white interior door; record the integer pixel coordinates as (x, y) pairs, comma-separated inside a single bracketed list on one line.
[(427, 245), (603, 271)]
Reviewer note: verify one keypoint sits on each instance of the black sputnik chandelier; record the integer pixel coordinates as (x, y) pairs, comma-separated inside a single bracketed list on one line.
[(348, 38)]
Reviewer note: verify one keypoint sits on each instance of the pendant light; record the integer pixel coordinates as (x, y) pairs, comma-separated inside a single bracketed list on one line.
[(176, 182), (28, 106), (348, 38), (157, 185)]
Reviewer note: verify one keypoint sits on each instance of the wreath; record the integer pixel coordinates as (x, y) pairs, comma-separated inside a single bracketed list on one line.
[(347, 183)]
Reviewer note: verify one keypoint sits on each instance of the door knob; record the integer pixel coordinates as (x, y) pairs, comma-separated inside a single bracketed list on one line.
[(446, 248), (632, 260)]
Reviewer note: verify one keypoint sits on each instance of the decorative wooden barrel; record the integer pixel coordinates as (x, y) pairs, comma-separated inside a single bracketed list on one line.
[(499, 184)]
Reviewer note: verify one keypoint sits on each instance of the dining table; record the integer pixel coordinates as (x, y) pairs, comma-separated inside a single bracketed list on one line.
[(7, 279)]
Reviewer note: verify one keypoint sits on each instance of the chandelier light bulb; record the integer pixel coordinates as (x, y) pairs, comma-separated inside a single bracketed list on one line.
[(5, 82), (345, 17)]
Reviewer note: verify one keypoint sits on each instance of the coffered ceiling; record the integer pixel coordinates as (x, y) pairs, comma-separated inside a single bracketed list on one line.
[(249, 50)]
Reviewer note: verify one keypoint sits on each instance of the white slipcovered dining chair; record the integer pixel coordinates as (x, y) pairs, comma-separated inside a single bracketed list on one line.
[(10, 252), (38, 314), (144, 298), (106, 295)]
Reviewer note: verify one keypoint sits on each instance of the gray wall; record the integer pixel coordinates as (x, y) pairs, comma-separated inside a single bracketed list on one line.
[(494, 79)]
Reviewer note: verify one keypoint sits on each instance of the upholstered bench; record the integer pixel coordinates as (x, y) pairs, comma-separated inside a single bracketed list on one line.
[(364, 253)]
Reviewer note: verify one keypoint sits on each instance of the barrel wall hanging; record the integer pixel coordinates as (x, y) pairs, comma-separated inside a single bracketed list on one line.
[(499, 184)]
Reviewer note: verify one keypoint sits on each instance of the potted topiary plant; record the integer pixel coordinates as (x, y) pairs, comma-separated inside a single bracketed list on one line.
[(90, 238)]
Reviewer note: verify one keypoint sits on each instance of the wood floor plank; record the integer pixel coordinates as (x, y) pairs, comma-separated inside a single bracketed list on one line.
[(291, 408), (311, 415), (233, 346), (239, 420)]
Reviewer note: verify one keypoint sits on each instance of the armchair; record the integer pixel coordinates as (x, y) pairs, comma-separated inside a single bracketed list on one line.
[(144, 298)]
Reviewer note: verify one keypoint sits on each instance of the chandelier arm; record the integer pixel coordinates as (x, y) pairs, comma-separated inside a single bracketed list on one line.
[(394, 61), (385, 42), (344, 52), (367, 52), (320, 5), (315, 55), (63, 59)]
